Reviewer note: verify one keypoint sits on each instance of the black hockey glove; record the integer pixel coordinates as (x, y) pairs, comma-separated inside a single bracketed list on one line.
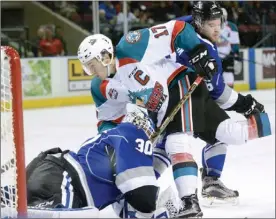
[(204, 65), (247, 105), (228, 63), (255, 106)]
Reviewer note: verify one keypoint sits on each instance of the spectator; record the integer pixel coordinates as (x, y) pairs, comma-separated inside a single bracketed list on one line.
[(144, 17), (50, 46), (131, 18), (173, 10), (159, 11), (40, 35), (69, 10), (59, 35), (252, 13), (107, 12)]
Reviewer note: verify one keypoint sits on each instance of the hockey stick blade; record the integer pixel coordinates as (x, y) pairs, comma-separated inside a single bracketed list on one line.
[(164, 125)]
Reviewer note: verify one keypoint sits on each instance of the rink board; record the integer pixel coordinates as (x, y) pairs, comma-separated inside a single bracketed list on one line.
[(61, 81)]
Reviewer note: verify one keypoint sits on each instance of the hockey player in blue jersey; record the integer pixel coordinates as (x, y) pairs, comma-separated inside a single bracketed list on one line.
[(213, 155), (114, 166)]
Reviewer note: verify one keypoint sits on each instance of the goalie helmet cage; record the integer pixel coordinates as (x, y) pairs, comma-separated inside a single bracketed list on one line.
[(13, 195)]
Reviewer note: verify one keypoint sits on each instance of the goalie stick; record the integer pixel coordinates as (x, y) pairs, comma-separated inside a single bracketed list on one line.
[(170, 117)]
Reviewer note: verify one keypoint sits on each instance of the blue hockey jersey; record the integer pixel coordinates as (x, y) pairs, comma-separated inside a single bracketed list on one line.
[(113, 164), (219, 91)]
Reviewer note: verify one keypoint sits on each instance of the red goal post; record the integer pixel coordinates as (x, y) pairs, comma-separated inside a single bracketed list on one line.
[(13, 174)]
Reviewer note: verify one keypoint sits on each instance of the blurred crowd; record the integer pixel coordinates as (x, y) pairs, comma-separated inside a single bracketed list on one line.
[(254, 19), (49, 41), (248, 15), (147, 12)]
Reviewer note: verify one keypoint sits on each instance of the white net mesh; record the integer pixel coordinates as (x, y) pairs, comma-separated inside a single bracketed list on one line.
[(8, 152)]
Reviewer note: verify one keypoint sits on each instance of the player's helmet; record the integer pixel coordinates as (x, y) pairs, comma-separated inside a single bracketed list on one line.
[(206, 10), (141, 120), (95, 46)]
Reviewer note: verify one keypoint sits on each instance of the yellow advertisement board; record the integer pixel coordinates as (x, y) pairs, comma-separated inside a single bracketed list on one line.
[(78, 79)]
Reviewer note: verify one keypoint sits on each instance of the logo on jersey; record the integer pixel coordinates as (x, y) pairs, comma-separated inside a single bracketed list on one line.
[(113, 94), (156, 98), (149, 98), (133, 36)]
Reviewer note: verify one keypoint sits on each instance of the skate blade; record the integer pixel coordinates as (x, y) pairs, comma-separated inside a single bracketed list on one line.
[(213, 201)]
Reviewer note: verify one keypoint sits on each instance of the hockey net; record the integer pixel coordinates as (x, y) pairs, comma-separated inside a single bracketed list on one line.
[(13, 178)]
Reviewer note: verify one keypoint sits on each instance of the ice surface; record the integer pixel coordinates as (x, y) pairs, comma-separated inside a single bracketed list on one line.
[(249, 168)]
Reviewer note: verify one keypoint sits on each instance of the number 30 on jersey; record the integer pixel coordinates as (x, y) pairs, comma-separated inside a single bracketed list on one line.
[(144, 146)]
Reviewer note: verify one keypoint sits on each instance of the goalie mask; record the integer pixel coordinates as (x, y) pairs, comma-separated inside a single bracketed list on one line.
[(141, 120)]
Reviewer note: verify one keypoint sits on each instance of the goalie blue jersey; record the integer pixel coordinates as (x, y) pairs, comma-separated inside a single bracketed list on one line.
[(114, 164)]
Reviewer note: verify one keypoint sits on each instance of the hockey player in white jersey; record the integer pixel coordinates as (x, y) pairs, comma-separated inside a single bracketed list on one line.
[(228, 50), (112, 167)]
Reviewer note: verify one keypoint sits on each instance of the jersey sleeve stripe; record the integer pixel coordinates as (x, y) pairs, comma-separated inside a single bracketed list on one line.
[(175, 73), (103, 88), (178, 27), (125, 61)]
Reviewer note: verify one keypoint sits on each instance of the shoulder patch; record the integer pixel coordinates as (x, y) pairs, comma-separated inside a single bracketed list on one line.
[(133, 36)]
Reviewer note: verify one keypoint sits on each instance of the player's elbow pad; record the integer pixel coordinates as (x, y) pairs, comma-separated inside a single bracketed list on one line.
[(143, 198)]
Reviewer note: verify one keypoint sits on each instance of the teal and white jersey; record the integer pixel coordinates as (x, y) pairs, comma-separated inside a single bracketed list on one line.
[(137, 83), (110, 98), (229, 40), (152, 44), (143, 71), (149, 82)]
